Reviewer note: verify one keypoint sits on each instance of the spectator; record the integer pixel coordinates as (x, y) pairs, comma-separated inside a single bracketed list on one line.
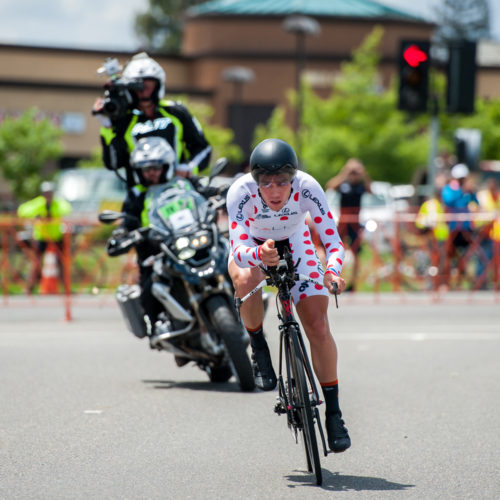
[(489, 202), (47, 211), (459, 198), (430, 221), (352, 182)]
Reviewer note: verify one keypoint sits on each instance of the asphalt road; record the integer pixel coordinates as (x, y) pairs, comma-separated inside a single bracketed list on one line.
[(90, 412)]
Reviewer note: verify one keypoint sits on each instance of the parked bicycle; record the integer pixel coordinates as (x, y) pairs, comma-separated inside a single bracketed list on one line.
[(298, 396)]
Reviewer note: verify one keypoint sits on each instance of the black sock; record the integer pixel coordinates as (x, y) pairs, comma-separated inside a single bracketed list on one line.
[(257, 339), (331, 395)]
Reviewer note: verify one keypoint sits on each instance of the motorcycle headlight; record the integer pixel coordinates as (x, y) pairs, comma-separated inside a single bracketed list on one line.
[(201, 240), (181, 243), (186, 253), (187, 247)]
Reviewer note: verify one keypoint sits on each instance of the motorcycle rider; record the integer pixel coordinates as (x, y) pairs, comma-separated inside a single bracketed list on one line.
[(154, 162), (151, 115), (267, 209)]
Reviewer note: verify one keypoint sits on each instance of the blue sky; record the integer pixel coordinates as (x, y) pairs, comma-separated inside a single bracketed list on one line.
[(108, 24)]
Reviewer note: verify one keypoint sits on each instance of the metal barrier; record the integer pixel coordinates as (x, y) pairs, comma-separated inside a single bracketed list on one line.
[(395, 256)]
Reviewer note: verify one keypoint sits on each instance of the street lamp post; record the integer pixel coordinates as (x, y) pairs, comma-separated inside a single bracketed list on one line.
[(238, 76), (300, 26)]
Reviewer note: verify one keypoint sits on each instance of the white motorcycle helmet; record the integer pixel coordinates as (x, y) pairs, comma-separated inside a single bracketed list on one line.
[(153, 152), (143, 66)]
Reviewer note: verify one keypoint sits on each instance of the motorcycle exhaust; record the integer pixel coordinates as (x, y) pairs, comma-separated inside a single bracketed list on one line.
[(129, 300), (176, 311)]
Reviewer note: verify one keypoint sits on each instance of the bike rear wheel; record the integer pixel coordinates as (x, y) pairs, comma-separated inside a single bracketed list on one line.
[(302, 402)]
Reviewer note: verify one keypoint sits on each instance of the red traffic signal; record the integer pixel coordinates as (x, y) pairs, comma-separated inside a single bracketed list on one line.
[(414, 56), (414, 61)]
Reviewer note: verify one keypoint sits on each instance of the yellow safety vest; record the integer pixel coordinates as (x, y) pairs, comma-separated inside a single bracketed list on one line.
[(430, 216), (47, 226)]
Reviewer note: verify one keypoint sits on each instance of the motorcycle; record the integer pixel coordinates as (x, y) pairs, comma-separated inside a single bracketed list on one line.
[(190, 280)]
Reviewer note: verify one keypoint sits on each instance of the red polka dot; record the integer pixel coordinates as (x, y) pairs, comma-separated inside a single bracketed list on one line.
[(233, 225), (339, 261), (284, 218), (231, 242), (330, 216), (302, 296), (327, 245), (251, 263), (251, 220), (341, 244), (330, 232), (335, 250), (296, 196), (247, 223), (244, 237), (253, 255), (254, 195), (307, 242), (239, 256), (318, 220), (318, 287), (314, 275), (309, 252), (311, 263), (255, 210), (306, 234)]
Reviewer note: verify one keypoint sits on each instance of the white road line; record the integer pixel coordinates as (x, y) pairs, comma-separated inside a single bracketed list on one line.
[(418, 336)]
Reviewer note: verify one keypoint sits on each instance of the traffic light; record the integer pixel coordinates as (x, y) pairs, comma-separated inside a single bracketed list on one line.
[(461, 76), (414, 61)]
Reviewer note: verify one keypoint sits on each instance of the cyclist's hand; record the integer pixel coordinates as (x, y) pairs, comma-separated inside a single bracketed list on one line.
[(268, 254), (330, 279)]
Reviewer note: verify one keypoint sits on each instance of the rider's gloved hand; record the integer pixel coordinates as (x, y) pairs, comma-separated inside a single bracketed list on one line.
[(268, 254), (330, 278), (113, 245)]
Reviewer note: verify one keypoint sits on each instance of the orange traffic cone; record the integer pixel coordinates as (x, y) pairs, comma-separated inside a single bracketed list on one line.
[(50, 271)]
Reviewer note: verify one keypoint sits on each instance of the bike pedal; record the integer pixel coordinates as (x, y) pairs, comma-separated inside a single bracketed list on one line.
[(278, 408)]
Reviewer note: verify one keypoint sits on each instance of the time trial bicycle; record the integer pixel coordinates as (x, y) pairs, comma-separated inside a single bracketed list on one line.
[(298, 395)]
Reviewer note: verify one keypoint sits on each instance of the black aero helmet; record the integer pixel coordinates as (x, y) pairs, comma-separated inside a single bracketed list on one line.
[(273, 156)]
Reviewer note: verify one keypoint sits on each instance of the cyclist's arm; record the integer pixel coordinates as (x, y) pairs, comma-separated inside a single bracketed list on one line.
[(244, 251)]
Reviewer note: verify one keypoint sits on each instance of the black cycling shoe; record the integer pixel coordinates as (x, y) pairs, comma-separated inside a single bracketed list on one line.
[(263, 371), (338, 437)]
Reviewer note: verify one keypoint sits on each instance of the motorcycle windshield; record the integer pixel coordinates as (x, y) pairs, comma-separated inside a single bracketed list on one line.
[(175, 206)]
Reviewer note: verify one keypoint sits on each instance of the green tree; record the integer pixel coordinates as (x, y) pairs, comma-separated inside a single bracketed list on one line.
[(160, 27), (27, 144)]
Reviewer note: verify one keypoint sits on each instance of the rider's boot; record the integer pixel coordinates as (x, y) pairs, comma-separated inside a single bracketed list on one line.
[(338, 437), (263, 370)]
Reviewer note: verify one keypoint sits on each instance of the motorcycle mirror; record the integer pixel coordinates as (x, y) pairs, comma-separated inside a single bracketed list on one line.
[(219, 166), (109, 216)]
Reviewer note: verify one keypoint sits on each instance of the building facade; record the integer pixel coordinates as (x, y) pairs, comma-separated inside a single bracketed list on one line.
[(63, 83)]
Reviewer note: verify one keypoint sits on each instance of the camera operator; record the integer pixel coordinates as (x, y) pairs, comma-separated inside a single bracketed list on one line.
[(133, 108)]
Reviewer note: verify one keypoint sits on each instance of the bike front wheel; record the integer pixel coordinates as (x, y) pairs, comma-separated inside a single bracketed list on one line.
[(302, 403)]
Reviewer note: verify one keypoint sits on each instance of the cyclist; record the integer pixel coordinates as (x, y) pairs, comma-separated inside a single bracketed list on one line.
[(267, 210)]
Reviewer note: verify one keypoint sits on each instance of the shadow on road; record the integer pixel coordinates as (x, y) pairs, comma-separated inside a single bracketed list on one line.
[(195, 386), (339, 482)]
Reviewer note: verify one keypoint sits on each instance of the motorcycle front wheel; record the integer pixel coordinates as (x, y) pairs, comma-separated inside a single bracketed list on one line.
[(230, 331)]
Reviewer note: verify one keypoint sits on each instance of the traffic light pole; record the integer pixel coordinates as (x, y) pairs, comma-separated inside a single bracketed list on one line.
[(433, 149)]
